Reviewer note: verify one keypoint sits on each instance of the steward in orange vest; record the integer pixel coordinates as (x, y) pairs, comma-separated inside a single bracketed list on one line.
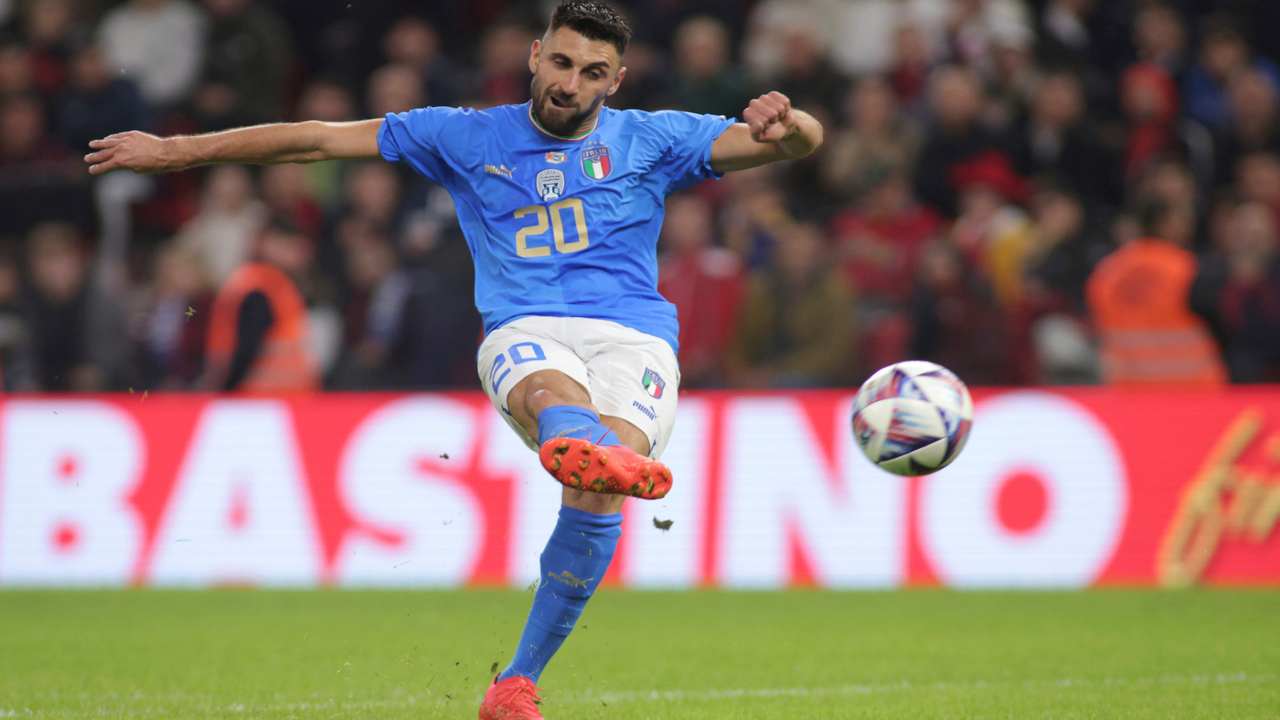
[(258, 333), (1139, 297)]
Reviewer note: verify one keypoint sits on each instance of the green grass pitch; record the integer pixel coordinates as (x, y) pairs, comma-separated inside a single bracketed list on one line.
[(642, 655)]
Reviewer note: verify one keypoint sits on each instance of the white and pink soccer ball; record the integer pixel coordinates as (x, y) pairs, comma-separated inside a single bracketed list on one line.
[(912, 418)]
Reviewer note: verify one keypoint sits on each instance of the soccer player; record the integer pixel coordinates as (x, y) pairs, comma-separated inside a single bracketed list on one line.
[(560, 200)]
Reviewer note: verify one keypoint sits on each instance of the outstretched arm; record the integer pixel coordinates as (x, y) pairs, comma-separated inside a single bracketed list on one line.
[(302, 142), (771, 130)]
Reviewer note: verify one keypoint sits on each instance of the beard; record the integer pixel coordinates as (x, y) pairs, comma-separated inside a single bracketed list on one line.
[(566, 120)]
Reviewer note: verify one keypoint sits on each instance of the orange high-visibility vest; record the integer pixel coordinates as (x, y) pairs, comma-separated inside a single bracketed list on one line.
[(1139, 299), (285, 363)]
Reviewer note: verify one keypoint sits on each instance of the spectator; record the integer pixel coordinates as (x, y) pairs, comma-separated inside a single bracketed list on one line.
[(910, 66), (286, 194), (1160, 38), (1238, 290), (755, 215), (1139, 298), (49, 26), (373, 299), (1056, 140), (992, 229), (230, 217), (159, 44), (1053, 319), (41, 180), (17, 77), (1010, 75), (876, 139), (1224, 54), (504, 64), (15, 334), (878, 243), (248, 59), (414, 42), (805, 75), (1258, 179), (412, 326), (955, 135), (705, 282), (796, 326), (704, 80), (1254, 125), (1064, 250), (371, 194), (75, 329), (173, 328), (1150, 102), (328, 100), (393, 89), (259, 332), (96, 104), (955, 320)]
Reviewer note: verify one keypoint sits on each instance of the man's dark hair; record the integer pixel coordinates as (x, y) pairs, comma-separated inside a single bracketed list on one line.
[(594, 21)]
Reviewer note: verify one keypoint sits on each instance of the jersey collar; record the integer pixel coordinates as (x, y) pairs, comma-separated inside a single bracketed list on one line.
[(577, 138)]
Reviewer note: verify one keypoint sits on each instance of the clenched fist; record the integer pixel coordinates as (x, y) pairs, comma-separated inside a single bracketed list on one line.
[(769, 117)]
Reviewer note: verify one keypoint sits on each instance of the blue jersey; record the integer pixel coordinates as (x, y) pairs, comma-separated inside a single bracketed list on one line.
[(560, 227)]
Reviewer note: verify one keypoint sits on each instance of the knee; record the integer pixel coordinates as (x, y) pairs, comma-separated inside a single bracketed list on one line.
[(546, 389), (539, 398)]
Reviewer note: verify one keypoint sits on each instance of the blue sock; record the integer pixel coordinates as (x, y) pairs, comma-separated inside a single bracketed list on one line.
[(575, 422), (573, 564)]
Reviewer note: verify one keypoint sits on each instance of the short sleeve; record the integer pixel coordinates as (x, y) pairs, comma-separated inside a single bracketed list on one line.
[(688, 138), (418, 138)]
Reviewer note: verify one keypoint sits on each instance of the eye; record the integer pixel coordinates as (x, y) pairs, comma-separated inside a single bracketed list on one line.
[(595, 75)]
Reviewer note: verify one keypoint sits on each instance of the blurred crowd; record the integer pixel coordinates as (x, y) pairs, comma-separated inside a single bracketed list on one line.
[(988, 164)]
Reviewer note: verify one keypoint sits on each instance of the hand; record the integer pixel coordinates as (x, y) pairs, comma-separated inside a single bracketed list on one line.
[(769, 118), (133, 150)]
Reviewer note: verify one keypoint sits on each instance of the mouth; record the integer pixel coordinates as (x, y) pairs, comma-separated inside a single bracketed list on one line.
[(562, 104)]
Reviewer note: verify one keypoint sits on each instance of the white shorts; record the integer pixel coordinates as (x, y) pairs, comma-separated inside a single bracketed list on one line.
[(629, 374)]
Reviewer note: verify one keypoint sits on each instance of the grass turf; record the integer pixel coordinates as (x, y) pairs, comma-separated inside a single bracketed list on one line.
[(390, 655)]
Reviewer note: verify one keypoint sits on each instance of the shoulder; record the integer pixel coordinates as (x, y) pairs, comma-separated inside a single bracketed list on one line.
[(671, 129), (458, 123), (664, 120)]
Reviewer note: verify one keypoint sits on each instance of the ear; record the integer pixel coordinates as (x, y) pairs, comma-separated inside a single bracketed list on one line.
[(622, 72), (535, 51)]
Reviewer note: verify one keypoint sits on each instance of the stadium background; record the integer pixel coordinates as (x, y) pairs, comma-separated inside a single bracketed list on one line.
[(982, 158)]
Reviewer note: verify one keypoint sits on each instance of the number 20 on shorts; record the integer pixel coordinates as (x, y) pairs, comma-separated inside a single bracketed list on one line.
[(527, 236), (519, 354)]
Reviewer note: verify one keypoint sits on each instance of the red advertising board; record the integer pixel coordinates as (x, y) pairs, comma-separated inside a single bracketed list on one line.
[(1055, 489)]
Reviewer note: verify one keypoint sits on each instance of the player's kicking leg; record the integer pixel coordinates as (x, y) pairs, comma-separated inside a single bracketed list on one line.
[(537, 372), (535, 375), (581, 546)]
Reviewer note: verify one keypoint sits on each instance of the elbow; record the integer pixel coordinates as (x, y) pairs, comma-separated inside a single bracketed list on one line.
[(314, 143)]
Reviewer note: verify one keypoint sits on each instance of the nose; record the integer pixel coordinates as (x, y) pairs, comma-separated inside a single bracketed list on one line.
[(570, 85)]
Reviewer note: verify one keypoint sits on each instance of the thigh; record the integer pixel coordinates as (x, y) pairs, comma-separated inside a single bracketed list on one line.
[(515, 351), (635, 377)]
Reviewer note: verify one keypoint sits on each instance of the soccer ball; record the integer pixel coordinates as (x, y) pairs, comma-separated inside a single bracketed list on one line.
[(912, 418)]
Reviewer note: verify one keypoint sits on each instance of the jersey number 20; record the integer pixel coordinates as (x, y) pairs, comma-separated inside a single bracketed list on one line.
[(538, 229)]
